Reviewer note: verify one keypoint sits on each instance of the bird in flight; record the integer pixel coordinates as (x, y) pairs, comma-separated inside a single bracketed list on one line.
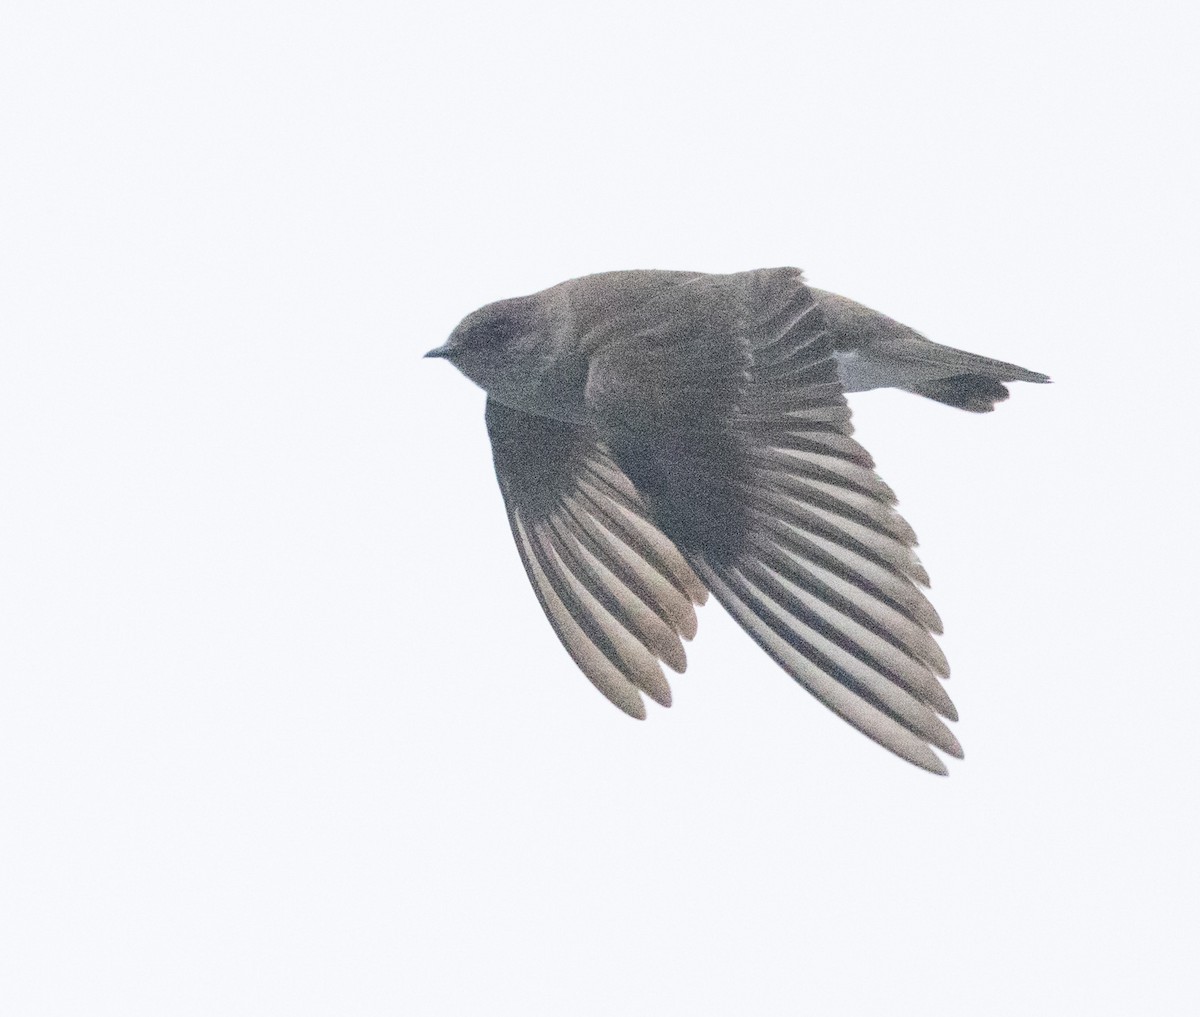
[(659, 436)]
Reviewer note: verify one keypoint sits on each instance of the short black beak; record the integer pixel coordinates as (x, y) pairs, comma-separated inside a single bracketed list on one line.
[(439, 351)]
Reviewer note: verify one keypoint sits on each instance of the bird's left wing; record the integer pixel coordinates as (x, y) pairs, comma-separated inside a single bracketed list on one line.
[(617, 592)]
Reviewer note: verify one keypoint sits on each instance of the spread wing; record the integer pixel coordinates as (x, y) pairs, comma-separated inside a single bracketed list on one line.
[(617, 592), (721, 402)]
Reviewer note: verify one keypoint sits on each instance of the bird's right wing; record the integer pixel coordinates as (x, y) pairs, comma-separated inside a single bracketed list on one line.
[(721, 402), (617, 592)]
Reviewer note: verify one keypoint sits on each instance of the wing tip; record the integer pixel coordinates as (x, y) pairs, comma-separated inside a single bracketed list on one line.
[(920, 755), (940, 770), (635, 707)]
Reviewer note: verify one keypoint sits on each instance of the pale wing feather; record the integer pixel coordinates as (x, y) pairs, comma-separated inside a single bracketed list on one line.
[(617, 593), (798, 538)]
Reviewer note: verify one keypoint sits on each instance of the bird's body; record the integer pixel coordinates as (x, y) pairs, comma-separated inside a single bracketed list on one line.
[(659, 435)]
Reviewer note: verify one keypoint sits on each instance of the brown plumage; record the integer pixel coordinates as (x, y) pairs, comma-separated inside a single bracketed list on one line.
[(661, 435)]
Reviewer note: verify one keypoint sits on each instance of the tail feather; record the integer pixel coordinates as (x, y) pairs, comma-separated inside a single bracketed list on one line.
[(875, 351), (955, 363), (974, 393)]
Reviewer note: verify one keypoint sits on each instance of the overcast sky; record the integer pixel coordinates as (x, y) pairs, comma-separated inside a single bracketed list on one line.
[(282, 727)]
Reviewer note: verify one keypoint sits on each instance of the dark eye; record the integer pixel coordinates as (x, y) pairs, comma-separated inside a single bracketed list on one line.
[(501, 331), (493, 327), (478, 338), (494, 333)]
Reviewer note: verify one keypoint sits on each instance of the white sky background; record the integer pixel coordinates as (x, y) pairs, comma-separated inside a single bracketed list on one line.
[(282, 727)]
